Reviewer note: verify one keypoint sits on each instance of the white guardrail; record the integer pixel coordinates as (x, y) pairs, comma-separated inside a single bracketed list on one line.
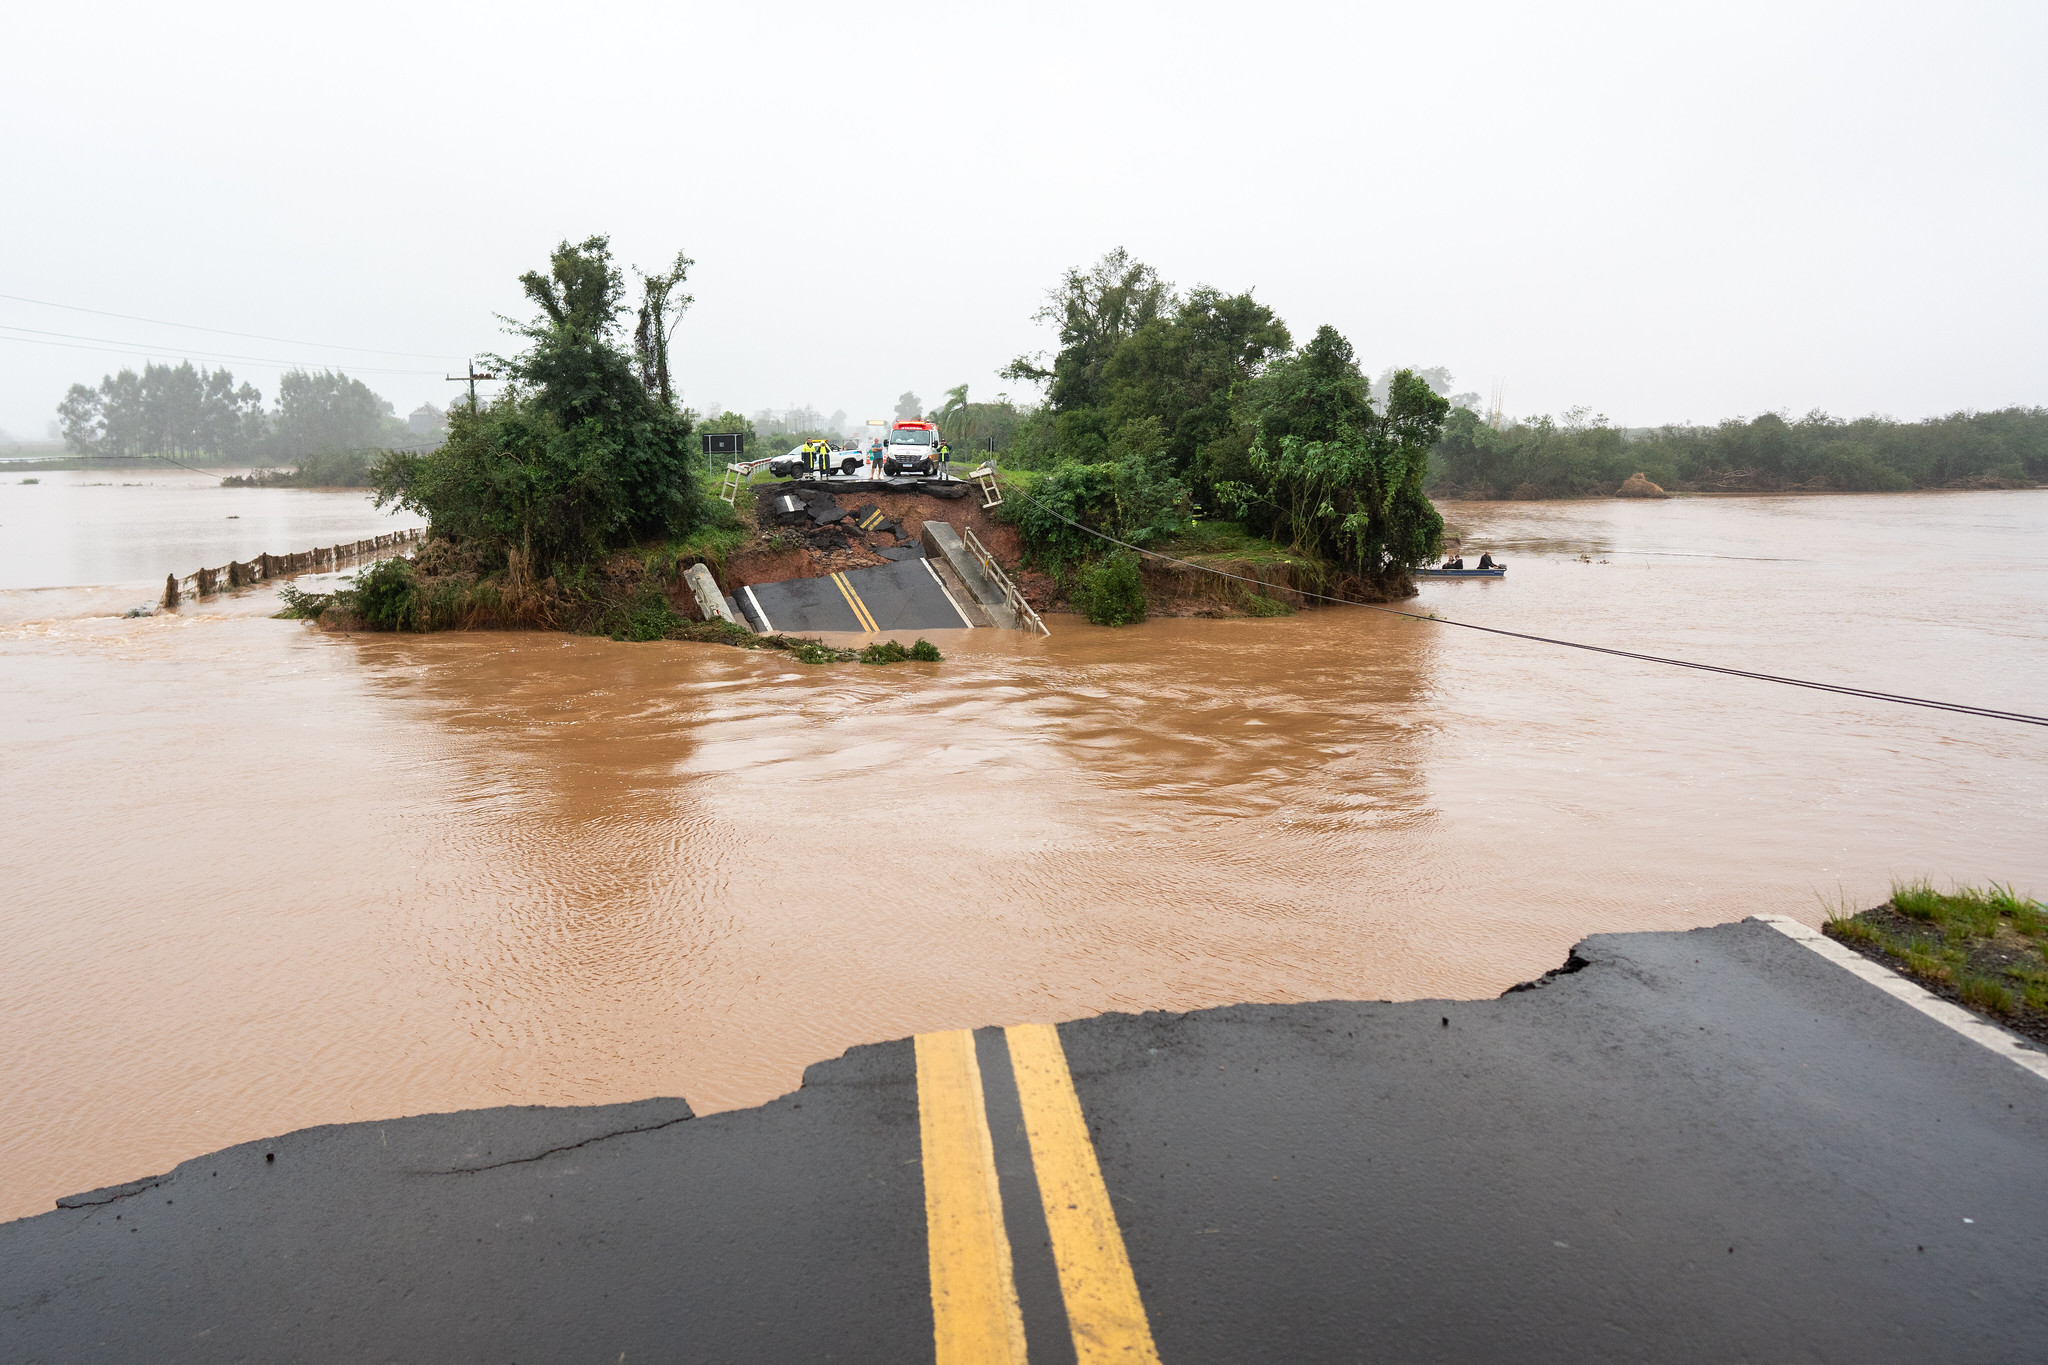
[(996, 575)]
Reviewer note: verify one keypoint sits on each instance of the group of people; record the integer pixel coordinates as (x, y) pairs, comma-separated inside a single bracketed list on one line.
[(1485, 562), (821, 457)]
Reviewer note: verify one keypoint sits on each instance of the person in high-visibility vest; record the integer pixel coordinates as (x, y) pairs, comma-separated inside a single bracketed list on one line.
[(818, 457)]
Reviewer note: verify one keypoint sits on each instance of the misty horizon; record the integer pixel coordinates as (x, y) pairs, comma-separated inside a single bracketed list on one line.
[(1666, 218)]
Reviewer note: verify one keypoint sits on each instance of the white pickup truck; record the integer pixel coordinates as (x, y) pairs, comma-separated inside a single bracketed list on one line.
[(792, 465)]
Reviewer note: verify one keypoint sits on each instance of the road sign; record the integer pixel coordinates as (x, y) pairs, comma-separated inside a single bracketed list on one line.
[(725, 443)]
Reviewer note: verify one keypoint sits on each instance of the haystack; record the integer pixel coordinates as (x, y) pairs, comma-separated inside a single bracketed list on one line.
[(1639, 487)]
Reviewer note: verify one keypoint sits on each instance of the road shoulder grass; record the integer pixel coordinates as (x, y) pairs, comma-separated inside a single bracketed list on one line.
[(1985, 949)]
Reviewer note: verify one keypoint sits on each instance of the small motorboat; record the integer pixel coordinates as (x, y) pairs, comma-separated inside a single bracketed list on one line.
[(1498, 571)]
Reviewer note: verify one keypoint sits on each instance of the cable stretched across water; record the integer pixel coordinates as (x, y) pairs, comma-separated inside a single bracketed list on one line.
[(1959, 708)]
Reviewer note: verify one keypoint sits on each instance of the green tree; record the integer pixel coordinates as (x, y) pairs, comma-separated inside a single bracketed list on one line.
[(1335, 476), (165, 410), (1096, 310), (323, 410), (1185, 370), (577, 455), (909, 407), (661, 311)]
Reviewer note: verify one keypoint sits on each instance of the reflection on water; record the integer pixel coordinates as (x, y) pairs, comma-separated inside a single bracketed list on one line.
[(106, 526), (260, 877)]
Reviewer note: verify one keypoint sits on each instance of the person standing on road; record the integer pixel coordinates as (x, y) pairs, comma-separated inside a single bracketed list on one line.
[(818, 457)]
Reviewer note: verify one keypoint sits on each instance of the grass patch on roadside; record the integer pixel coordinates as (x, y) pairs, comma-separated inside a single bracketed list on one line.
[(1983, 947)]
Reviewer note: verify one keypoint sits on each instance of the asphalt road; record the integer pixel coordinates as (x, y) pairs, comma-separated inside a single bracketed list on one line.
[(1703, 1146), (886, 597)]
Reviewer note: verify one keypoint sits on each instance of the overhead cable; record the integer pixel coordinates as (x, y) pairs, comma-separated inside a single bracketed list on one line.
[(1959, 708), (222, 331), (114, 347)]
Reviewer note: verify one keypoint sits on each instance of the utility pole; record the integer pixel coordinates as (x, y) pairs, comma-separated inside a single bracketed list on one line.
[(473, 375)]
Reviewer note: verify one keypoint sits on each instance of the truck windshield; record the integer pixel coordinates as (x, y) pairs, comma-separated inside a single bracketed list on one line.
[(912, 437)]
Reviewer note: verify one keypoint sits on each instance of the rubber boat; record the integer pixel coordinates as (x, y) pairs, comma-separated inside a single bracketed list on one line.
[(1501, 572)]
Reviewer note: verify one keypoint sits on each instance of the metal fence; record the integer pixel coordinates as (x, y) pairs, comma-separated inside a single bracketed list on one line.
[(321, 559)]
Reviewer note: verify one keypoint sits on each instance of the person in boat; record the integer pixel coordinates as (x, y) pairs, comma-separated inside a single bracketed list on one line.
[(1454, 563), (1486, 561)]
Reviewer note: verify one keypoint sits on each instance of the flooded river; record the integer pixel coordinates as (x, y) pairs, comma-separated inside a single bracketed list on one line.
[(257, 877)]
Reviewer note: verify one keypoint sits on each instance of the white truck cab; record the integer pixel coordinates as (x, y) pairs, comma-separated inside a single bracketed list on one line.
[(911, 449)]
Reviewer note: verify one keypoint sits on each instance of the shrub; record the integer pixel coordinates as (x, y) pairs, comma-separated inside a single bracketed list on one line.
[(891, 652), (300, 605), (1110, 592), (647, 615), (1133, 499), (384, 595)]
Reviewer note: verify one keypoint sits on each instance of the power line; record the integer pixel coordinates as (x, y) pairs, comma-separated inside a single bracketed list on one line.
[(116, 347), (222, 331), (1959, 708)]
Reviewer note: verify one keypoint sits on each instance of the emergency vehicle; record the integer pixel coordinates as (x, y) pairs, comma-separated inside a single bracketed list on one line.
[(911, 448)]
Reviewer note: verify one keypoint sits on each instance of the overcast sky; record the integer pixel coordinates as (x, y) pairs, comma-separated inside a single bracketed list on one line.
[(1661, 212)]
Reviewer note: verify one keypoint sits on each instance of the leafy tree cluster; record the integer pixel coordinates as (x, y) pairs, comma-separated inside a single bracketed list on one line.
[(183, 410), (584, 450), (1157, 398), (1582, 455), (1134, 350), (1335, 474)]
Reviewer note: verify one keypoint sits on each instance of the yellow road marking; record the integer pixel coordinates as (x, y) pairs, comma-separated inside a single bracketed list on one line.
[(975, 1316), (1103, 1307), (875, 518), (859, 605), (861, 615)]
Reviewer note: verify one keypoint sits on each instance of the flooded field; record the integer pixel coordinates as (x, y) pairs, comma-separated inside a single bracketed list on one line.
[(258, 877), (106, 527)]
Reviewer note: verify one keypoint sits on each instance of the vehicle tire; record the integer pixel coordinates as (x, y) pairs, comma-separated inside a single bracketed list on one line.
[(848, 466)]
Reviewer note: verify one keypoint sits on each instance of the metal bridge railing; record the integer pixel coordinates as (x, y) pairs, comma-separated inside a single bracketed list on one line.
[(996, 575)]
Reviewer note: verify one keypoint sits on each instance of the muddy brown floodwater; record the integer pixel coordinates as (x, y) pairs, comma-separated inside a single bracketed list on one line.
[(257, 877)]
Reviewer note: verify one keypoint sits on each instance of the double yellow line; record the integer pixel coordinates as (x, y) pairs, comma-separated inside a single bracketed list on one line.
[(874, 519), (860, 608), (976, 1319)]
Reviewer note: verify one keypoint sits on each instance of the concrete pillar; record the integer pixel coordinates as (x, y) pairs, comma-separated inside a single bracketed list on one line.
[(170, 590)]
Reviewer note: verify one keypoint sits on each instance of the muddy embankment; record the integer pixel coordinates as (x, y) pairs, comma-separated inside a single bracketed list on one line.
[(1238, 586), (641, 594)]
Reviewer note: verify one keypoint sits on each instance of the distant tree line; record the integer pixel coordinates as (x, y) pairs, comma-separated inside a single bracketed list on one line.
[(1582, 455), (180, 410)]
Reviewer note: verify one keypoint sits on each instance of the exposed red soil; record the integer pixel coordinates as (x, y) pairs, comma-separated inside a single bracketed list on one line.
[(912, 510)]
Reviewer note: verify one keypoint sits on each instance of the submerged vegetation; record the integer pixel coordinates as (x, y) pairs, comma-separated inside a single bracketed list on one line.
[(326, 469), (1984, 947)]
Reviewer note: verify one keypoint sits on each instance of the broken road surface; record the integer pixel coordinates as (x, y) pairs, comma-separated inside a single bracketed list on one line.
[(1712, 1145)]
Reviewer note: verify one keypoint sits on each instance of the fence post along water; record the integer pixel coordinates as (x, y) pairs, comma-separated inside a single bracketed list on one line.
[(320, 559)]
